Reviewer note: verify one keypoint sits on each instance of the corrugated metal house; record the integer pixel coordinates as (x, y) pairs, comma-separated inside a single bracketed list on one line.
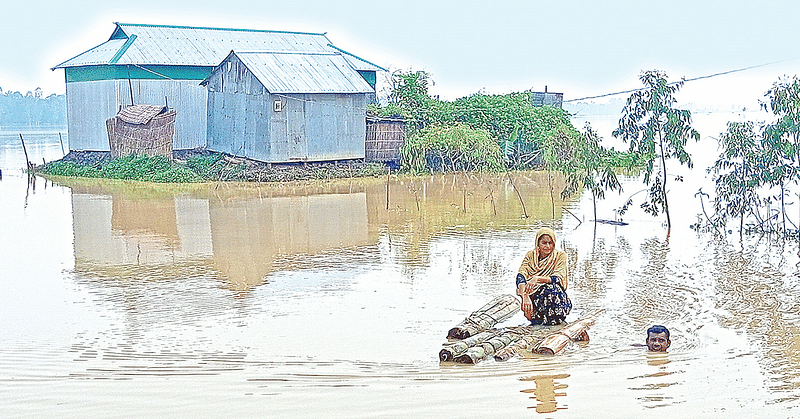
[(287, 106), (148, 64)]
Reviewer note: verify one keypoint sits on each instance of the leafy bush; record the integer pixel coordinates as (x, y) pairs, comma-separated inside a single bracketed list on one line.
[(517, 126), (451, 148), (134, 167)]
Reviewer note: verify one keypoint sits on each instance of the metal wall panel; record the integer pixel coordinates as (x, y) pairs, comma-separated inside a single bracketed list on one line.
[(279, 129), (89, 104), (242, 120), (189, 100)]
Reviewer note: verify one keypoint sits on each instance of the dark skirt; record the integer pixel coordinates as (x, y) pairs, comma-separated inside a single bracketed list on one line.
[(550, 305)]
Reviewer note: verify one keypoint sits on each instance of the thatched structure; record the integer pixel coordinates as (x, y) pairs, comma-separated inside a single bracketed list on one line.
[(141, 129)]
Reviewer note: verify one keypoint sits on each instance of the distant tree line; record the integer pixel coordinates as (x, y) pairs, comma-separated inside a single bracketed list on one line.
[(32, 108)]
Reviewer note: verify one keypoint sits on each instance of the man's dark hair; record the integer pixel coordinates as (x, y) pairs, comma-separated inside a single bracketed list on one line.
[(658, 329)]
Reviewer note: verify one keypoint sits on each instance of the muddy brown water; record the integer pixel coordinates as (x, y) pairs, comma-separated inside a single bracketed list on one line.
[(121, 299)]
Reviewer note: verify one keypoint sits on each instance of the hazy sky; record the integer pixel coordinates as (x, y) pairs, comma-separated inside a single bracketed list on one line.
[(578, 47)]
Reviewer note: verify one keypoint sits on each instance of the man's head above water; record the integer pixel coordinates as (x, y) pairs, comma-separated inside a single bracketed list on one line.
[(658, 338)]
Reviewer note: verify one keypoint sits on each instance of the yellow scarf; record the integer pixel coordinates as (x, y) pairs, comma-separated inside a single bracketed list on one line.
[(553, 265)]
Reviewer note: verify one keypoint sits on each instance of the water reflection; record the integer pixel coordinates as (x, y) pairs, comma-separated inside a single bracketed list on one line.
[(242, 231), (546, 390), (239, 238), (653, 385)]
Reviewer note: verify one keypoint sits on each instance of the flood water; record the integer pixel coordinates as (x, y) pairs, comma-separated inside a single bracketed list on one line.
[(122, 299)]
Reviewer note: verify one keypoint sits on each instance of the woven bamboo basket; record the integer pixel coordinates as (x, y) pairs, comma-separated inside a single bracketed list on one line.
[(151, 138)]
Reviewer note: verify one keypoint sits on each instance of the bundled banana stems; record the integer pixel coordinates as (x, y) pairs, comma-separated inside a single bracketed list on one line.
[(530, 336), (498, 310), (576, 332), (508, 342), (479, 347)]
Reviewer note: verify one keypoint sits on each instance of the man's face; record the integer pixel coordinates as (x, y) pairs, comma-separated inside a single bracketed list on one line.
[(657, 342)]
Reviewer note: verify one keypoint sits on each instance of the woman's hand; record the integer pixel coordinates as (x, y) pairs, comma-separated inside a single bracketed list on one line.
[(531, 287), (526, 306)]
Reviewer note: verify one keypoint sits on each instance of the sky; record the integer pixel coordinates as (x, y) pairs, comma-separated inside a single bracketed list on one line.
[(577, 47)]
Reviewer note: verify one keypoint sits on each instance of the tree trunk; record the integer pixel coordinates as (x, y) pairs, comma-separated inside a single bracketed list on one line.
[(783, 207), (664, 179), (552, 200)]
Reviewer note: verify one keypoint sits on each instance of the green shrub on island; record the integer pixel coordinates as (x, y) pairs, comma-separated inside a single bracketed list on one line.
[(518, 127), (451, 148), (213, 167), (155, 169), (208, 167)]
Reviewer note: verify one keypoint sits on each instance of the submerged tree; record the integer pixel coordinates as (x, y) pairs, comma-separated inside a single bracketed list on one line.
[(591, 167), (654, 128), (737, 174), (781, 139)]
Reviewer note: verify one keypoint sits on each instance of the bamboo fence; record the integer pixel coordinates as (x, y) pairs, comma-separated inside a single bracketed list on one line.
[(384, 138)]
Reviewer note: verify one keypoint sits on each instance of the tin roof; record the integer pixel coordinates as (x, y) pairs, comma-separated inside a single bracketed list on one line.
[(200, 46), (315, 72)]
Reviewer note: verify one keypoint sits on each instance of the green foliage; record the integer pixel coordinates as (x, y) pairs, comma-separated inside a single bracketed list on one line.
[(451, 148), (736, 173), (519, 128), (391, 109), (69, 168), (654, 128), (155, 169), (752, 164), (591, 166)]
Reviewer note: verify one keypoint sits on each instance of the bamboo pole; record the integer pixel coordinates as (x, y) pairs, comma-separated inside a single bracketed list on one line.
[(387, 188), (547, 341), (24, 149), (486, 349), (519, 195)]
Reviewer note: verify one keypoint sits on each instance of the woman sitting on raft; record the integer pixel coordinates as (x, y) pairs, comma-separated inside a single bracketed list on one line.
[(542, 281)]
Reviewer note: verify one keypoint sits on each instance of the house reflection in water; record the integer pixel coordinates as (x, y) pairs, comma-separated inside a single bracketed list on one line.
[(248, 235), (239, 237)]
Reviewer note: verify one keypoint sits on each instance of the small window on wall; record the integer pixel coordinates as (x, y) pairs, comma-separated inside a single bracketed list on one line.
[(277, 106)]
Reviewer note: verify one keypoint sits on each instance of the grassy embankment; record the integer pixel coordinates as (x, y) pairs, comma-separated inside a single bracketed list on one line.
[(208, 167)]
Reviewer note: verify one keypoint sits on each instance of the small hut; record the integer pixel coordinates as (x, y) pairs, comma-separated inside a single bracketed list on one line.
[(280, 107)]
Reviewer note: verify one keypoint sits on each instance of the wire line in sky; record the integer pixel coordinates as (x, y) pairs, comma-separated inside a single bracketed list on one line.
[(685, 80)]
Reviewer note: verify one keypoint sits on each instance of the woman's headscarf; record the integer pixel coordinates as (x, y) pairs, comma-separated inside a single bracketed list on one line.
[(553, 265)]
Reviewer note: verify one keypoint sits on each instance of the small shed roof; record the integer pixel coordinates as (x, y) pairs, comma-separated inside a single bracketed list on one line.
[(310, 72), (139, 44)]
